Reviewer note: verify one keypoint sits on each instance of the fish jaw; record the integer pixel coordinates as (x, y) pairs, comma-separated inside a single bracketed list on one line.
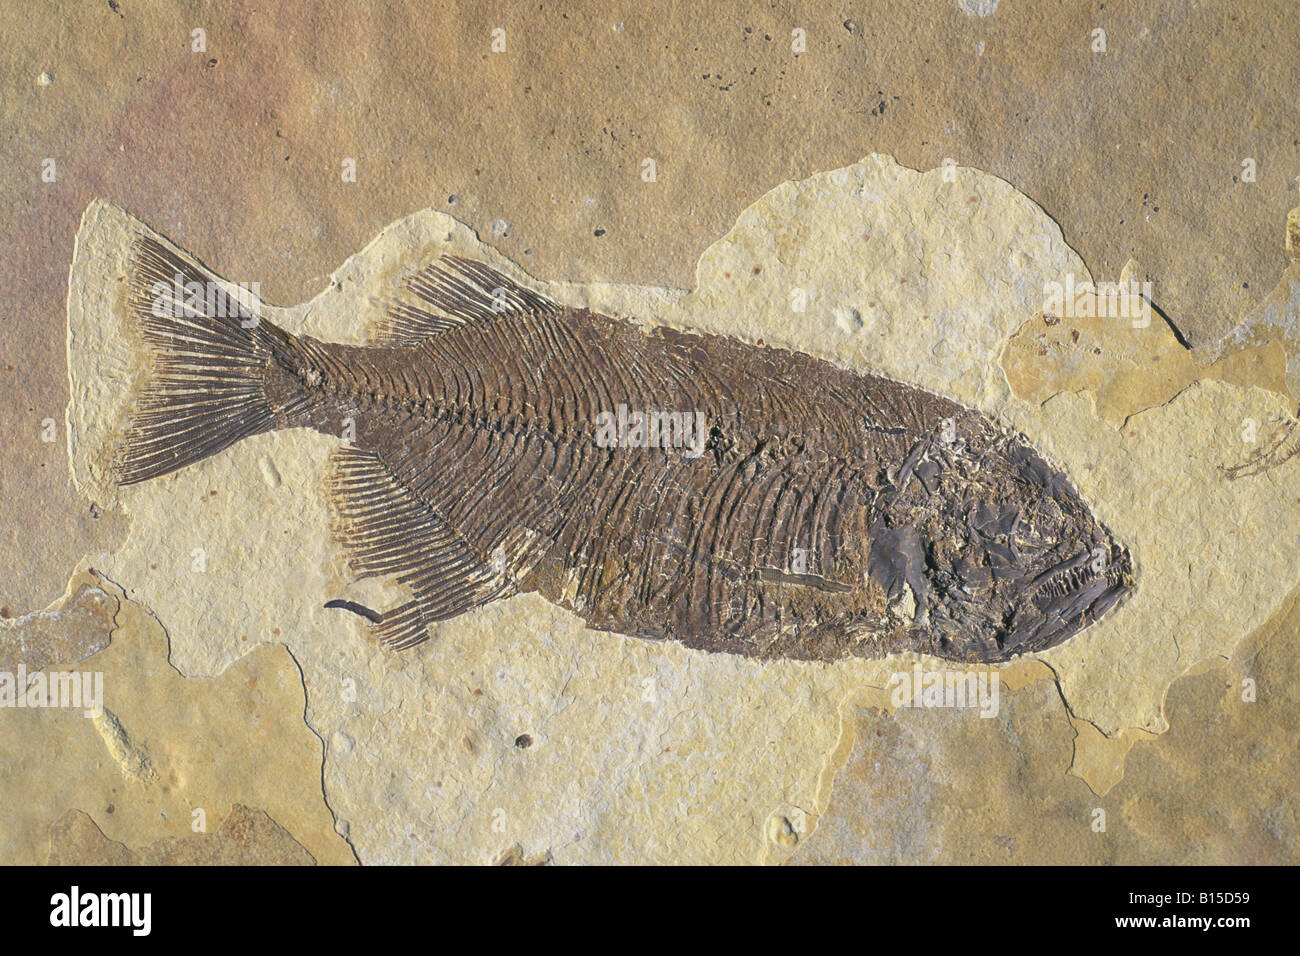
[(1066, 600)]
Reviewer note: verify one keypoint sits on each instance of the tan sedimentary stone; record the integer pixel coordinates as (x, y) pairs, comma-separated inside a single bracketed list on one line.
[(74, 628), (1122, 368), (947, 787), (247, 837), (166, 753), (648, 752)]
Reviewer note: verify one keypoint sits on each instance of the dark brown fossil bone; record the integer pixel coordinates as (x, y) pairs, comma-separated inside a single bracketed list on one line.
[(657, 483)]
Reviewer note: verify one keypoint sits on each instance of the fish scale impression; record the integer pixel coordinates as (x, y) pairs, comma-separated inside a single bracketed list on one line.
[(658, 483)]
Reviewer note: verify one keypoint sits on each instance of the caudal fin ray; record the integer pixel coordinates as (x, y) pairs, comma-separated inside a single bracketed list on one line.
[(207, 351)]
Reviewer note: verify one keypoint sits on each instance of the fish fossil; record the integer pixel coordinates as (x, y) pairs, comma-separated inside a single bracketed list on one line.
[(657, 483)]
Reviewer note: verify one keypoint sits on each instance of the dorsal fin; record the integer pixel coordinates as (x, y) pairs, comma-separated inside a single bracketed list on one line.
[(452, 292)]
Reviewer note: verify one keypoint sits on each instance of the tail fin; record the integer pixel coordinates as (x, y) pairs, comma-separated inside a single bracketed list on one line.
[(208, 351)]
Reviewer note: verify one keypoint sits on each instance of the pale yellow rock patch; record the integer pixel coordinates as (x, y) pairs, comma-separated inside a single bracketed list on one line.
[(163, 747)]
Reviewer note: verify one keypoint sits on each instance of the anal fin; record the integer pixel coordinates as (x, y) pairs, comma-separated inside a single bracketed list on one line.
[(388, 531)]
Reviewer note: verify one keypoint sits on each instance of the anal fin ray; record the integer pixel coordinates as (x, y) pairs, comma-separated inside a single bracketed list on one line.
[(387, 530)]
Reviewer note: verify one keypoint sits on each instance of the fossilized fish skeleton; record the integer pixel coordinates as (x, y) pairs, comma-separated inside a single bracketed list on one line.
[(657, 483)]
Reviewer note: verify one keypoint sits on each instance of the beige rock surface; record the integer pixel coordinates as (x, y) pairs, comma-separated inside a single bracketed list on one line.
[(76, 628), (247, 837), (166, 755), (947, 787), (647, 752)]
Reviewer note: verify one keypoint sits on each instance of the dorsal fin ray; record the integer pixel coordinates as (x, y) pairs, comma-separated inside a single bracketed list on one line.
[(449, 293)]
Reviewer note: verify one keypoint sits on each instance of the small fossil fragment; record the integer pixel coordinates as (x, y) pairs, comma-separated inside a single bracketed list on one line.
[(657, 483)]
